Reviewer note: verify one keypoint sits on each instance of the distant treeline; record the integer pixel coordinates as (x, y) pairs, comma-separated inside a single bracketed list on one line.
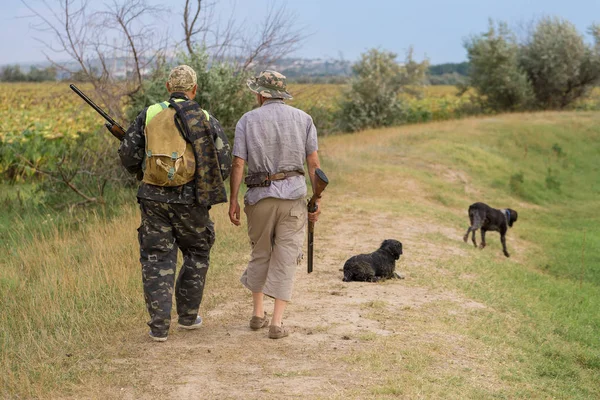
[(13, 73), (449, 68), (440, 74), (448, 73)]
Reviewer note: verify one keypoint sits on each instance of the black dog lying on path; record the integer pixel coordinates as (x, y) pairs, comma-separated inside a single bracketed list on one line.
[(374, 266), (487, 218)]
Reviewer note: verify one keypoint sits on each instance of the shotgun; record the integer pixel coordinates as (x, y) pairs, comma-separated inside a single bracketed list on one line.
[(321, 182), (113, 127)]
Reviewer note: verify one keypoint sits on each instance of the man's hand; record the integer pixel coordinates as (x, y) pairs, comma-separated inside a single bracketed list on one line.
[(314, 217), (234, 212)]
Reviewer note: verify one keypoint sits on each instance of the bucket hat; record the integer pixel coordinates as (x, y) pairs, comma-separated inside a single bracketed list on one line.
[(270, 84)]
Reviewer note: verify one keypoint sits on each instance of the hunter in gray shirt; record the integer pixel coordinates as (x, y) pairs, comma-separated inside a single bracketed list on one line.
[(274, 141), (275, 138)]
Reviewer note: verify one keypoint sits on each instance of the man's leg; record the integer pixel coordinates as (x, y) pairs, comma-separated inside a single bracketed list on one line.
[(158, 256), (195, 236), (261, 224), (278, 310), (258, 304), (287, 248)]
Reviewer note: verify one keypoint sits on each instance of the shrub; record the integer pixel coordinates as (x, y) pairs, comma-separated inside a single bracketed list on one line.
[(551, 69), (552, 182), (559, 64), (371, 99), (221, 90), (494, 70), (516, 183)]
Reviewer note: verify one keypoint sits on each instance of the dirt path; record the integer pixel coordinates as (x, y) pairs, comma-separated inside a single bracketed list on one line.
[(332, 324)]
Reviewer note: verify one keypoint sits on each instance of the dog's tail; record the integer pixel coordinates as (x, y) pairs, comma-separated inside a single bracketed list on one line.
[(475, 218)]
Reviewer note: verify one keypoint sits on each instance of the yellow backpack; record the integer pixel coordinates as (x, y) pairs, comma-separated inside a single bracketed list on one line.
[(169, 158)]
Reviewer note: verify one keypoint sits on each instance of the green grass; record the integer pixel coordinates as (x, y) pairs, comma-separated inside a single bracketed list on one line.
[(68, 297), (546, 322)]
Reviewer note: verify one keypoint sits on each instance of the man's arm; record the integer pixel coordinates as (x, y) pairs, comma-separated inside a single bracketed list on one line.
[(312, 162), (235, 180), (131, 150)]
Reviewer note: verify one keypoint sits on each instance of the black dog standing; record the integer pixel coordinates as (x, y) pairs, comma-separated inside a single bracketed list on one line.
[(374, 266), (487, 218)]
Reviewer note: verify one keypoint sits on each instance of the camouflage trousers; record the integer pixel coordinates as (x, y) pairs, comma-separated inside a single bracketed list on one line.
[(164, 229)]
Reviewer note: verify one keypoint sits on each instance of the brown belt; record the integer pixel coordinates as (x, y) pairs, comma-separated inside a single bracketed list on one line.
[(283, 175)]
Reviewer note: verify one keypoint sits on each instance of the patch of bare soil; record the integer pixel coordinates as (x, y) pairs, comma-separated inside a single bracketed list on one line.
[(332, 324)]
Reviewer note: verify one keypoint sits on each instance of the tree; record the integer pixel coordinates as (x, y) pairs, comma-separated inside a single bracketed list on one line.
[(559, 64), (221, 89), (267, 41), (372, 99), (96, 37), (494, 71)]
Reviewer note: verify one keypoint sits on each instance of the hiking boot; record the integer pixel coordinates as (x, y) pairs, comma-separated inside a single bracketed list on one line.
[(278, 332), (257, 322), (157, 338), (195, 325)]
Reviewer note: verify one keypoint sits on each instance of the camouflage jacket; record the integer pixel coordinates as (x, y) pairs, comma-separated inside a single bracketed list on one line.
[(131, 152)]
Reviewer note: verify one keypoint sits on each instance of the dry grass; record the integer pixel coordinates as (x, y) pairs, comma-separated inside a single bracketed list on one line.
[(464, 324), (68, 298)]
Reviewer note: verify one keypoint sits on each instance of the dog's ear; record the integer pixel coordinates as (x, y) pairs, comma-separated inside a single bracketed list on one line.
[(513, 217), (394, 247)]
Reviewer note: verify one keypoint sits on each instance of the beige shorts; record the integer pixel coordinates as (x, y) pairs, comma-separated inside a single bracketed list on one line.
[(276, 230)]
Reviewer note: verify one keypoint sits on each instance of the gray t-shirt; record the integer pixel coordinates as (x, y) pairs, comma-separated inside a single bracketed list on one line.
[(275, 138)]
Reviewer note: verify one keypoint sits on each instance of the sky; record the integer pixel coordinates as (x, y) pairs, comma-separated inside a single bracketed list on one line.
[(435, 29)]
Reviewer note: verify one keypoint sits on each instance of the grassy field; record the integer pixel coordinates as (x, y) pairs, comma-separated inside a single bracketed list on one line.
[(72, 301)]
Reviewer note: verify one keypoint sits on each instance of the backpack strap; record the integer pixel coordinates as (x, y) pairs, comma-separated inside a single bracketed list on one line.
[(180, 119)]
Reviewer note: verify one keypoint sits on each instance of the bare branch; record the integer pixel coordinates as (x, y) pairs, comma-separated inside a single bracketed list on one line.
[(63, 177), (277, 36)]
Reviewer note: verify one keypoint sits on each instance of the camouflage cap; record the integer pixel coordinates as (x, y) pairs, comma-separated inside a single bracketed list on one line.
[(270, 84), (182, 78)]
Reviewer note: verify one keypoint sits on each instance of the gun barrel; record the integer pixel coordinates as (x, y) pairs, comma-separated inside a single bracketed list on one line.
[(95, 106), (321, 182), (310, 252)]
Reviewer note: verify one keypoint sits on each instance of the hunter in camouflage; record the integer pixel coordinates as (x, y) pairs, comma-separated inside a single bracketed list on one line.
[(177, 217)]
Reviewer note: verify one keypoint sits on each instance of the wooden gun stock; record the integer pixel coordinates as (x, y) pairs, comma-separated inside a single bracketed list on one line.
[(116, 131), (321, 182)]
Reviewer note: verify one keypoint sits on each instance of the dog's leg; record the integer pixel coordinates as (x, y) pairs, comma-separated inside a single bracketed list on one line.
[(503, 240), (482, 245), (466, 237), (473, 238)]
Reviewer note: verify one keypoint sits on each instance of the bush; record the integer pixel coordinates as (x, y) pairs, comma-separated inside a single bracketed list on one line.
[(372, 99), (516, 183), (494, 70), (552, 182), (221, 90), (559, 64), (551, 69), (64, 170)]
